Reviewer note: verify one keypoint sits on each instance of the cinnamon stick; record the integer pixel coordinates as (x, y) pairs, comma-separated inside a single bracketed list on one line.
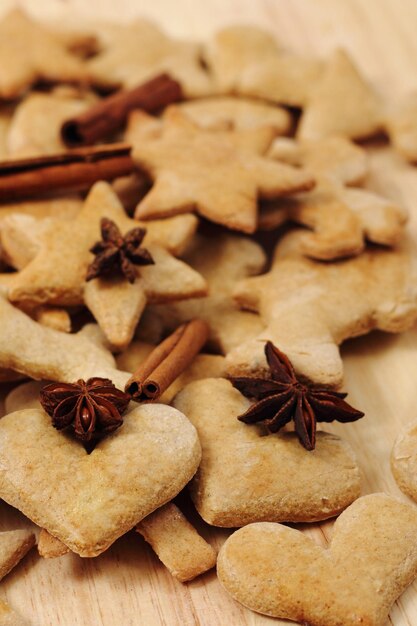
[(109, 114), (76, 169), (167, 361)]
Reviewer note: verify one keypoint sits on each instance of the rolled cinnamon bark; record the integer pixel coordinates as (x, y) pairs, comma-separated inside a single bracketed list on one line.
[(108, 115), (76, 169), (167, 361)]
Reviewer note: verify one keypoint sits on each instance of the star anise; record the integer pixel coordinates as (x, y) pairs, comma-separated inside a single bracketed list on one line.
[(117, 254), (93, 409), (283, 398)]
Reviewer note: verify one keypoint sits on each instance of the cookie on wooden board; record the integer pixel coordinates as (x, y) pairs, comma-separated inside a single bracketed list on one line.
[(309, 308), (140, 50), (177, 543), (249, 61), (30, 52), (342, 102), (245, 476), (371, 560), (220, 175), (86, 500), (116, 303), (14, 545)]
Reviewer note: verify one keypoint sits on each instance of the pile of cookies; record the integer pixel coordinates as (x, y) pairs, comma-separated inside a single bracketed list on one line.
[(161, 197)]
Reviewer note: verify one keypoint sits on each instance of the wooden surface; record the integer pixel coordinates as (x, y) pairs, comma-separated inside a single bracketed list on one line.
[(127, 585)]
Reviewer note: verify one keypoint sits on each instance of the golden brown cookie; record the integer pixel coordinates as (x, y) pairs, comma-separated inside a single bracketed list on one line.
[(14, 545), (177, 543), (234, 48), (245, 476), (103, 494), (371, 560), (341, 218), (247, 60), (50, 547), (43, 353), (309, 308), (117, 304), (342, 102), (30, 52), (220, 175), (332, 158), (140, 50)]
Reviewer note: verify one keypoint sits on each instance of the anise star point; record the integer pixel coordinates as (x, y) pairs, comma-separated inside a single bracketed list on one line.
[(283, 398)]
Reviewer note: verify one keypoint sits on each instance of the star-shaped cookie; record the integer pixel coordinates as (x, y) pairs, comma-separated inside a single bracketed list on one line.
[(219, 174), (22, 233), (30, 52), (140, 50), (341, 102), (311, 307), (57, 274), (247, 60), (43, 353), (340, 217)]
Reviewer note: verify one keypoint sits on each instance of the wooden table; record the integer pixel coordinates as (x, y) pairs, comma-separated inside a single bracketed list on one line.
[(127, 585)]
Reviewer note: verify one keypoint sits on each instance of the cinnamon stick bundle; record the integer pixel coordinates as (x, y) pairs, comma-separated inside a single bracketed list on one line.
[(167, 361), (77, 169), (109, 114)]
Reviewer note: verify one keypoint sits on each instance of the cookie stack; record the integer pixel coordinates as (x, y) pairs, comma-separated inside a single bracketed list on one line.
[(188, 233)]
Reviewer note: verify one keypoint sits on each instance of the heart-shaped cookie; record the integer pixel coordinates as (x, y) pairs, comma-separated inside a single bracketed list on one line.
[(247, 477), (404, 460), (88, 501), (281, 572)]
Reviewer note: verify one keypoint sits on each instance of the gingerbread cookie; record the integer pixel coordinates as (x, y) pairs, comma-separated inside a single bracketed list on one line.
[(341, 217), (234, 48), (47, 354), (231, 449), (309, 308), (177, 543), (103, 494), (219, 174), (30, 52), (371, 560), (342, 102), (50, 547), (14, 545), (140, 50), (115, 302), (247, 60)]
